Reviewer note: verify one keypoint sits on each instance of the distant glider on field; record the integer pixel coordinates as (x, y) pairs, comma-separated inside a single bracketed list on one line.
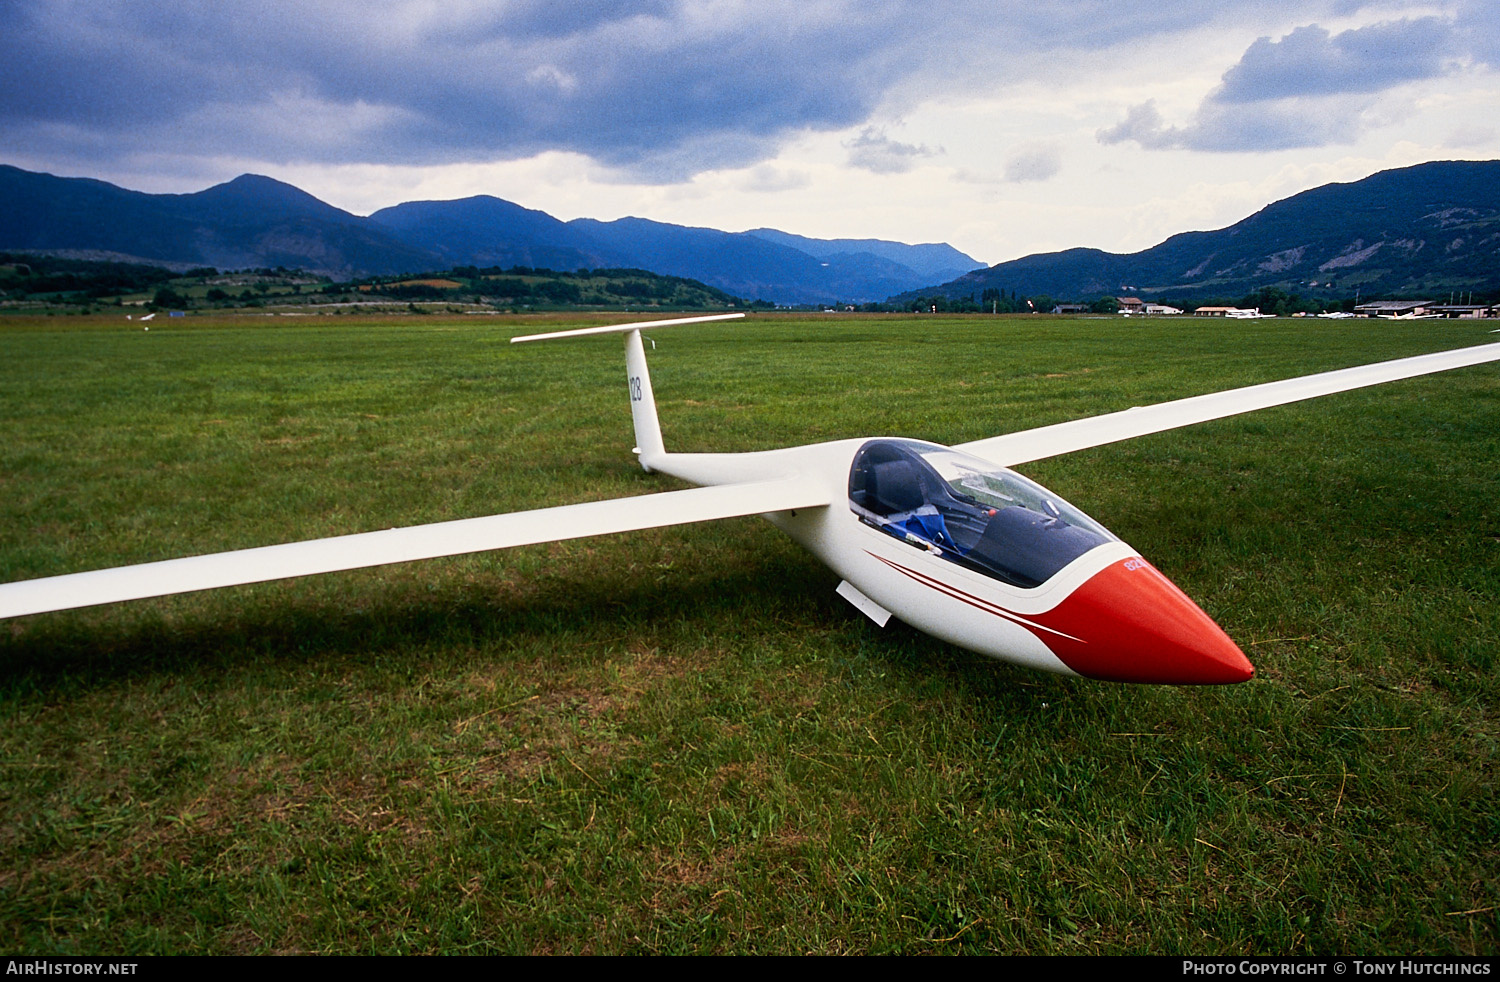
[(948, 539)]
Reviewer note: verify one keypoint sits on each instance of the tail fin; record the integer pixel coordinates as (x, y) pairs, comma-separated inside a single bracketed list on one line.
[(648, 441)]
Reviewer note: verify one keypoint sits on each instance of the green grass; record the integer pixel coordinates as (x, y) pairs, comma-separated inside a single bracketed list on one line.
[(681, 740)]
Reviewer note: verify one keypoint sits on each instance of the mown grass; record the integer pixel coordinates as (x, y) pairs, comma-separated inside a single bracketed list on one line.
[(681, 740)]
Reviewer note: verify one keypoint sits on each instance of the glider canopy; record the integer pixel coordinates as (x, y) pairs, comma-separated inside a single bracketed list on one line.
[(968, 511)]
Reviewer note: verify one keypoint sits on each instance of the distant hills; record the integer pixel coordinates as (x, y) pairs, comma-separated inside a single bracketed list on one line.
[(256, 221), (1425, 230), (1431, 229)]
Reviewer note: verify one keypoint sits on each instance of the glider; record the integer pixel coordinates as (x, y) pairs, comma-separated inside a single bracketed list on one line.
[(948, 539)]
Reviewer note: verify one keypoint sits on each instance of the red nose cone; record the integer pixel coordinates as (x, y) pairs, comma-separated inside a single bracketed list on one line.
[(1129, 623)]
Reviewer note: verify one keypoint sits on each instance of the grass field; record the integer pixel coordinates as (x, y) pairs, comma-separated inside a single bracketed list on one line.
[(682, 740)]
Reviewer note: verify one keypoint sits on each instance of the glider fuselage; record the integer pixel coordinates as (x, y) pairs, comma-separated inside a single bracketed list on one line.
[(1105, 613), (967, 551)]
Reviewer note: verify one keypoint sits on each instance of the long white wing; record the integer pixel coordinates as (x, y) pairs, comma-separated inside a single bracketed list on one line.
[(1094, 431), (406, 544)]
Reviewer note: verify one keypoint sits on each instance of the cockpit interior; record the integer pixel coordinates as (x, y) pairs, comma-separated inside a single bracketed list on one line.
[(962, 509)]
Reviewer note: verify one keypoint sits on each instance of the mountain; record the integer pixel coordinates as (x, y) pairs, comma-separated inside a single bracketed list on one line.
[(938, 261), (249, 222), (763, 264), (739, 263), (258, 222), (1428, 229), (487, 231)]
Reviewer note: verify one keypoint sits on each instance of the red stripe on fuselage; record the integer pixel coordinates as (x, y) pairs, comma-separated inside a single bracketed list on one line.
[(987, 606), (1126, 623)]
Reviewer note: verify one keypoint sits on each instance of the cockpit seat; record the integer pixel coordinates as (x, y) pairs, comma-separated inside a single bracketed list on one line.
[(898, 488)]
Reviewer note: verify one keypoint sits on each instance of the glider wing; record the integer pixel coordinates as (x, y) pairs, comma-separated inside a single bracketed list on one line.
[(406, 544), (1095, 431)]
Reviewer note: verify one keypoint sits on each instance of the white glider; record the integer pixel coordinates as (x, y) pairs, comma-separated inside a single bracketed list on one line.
[(947, 539)]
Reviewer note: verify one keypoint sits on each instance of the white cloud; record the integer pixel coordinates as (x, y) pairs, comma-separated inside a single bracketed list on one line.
[(1469, 137), (1310, 88), (766, 178), (552, 77), (873, 151), (1312, 62), (1034, 163), (1279, 124)]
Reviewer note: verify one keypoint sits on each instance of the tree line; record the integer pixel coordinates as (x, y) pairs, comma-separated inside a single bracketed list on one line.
[(87, 284)]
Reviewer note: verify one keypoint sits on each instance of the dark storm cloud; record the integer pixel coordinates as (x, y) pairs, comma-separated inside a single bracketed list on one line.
[(659, 89), (666, 86)]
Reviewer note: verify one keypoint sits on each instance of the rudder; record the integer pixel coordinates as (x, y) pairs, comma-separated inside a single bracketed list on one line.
[(648, 440)]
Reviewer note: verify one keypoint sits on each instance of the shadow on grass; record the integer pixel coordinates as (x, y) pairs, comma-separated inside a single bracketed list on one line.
[(437, 615), (771, 598)]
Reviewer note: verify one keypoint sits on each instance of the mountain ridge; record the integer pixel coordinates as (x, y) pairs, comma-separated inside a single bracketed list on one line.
[(1431, 228), (1368, 236), (257, 221)]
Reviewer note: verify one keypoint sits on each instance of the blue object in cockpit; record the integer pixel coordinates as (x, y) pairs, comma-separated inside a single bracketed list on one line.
[(927, 524)]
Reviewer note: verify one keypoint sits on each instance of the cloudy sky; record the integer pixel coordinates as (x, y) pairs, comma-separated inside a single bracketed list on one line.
[(1003, 127)]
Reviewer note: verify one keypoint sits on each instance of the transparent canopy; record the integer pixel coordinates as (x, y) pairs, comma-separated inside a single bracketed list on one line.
[(969, 511)]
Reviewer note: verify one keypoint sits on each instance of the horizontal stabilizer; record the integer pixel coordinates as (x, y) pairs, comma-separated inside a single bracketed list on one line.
[(406, 544), (622, 328), (1096, 431)]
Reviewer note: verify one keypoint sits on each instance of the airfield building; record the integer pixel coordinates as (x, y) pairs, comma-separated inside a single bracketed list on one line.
[(1393, 308)]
